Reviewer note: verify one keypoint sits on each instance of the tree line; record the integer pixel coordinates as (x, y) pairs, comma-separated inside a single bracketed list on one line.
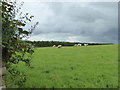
[(51, 43)]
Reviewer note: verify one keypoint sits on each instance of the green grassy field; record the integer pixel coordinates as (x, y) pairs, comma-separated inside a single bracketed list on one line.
[(73, 67)]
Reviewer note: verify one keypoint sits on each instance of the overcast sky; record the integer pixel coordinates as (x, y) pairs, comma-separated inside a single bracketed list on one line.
[(74, 21)]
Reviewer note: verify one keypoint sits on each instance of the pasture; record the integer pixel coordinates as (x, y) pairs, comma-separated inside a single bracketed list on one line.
[(72, 67)]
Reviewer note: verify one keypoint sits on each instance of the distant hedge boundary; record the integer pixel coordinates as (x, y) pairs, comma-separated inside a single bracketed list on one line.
[(51, 43)]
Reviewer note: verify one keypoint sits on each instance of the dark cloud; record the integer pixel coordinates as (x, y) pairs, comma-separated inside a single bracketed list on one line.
[(84, 22)]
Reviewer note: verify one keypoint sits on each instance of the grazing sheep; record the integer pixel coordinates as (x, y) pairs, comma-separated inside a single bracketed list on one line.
[(75, 45), (85, 44), (59, 46), (79, 45), (54, 46)]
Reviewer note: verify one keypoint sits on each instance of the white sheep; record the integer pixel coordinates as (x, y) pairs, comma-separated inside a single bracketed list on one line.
[(85, 44), (75, 45), (79, 45), (59, 46), (54, 46)]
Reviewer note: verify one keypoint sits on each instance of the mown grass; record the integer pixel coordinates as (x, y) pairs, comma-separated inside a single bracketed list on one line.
[(72, 67)]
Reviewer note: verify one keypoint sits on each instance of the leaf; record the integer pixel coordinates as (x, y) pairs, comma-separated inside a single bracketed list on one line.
[(21, 24), (31, 17), (25, 32), (18, 23), (20, 30), (26, 13)]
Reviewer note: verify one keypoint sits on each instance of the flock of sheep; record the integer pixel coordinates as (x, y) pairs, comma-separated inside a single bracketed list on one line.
[(60, 46), (81, 45)]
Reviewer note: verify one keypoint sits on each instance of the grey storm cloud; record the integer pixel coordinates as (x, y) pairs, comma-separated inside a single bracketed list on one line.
[(73, 21)]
